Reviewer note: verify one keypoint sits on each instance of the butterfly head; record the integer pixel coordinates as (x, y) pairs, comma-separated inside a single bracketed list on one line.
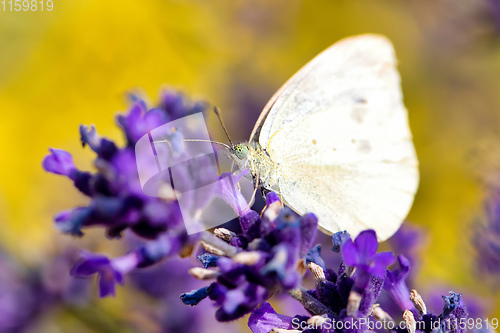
[(239, 150)]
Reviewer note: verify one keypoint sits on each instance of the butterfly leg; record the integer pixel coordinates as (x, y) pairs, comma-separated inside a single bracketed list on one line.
[(281, 199), (256, 187), (232, 170)]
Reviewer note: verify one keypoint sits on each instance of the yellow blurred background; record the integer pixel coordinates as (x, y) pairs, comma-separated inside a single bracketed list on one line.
[(75, 64)]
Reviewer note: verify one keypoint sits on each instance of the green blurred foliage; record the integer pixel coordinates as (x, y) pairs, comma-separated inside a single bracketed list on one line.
[(74, 65)]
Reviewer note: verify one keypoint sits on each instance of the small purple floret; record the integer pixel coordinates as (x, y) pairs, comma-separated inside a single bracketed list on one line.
[(108, 277), (395, 284), (362, 254), (59, 162), (265, 319)]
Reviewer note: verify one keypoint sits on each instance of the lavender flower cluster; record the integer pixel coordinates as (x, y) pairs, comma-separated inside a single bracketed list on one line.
[(270, 251), (345, 300), (117, 202), (263, 258)]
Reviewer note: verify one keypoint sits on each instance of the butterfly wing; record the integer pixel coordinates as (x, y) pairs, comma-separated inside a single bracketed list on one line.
[(339, 131)]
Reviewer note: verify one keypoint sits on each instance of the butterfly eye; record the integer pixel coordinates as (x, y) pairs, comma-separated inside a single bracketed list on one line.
[(241, 151)]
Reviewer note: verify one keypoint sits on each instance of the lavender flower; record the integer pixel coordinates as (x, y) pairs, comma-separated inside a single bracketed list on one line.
[(362, 255), (60, 162), (339, 299), (454, 312), (118, 202), (265, 319), (108, 274), (267, 253), (395, 284)]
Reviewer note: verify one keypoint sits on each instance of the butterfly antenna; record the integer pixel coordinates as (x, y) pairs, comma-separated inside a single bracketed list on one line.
[(195, 140), (217, 112), (216, 142)]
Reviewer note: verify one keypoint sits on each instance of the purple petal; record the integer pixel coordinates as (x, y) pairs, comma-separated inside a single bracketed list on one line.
[(155, 118), (90, 265), (118, 277), (264, 319), (390, 278), (377, 270), (308, 228), (350, 253), (132, 123), (398, 275), (59, 162), (63, 216), (106, 286), (385, 259), (271, 198), (157, 212), (366, 244), (380, 262), (229, 192), (234, 298), (405, 265), (225, 264), (173, 104), (64, 222), (125, 164)]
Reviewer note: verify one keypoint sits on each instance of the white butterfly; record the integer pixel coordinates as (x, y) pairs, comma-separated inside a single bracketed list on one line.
[(335, 140)]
